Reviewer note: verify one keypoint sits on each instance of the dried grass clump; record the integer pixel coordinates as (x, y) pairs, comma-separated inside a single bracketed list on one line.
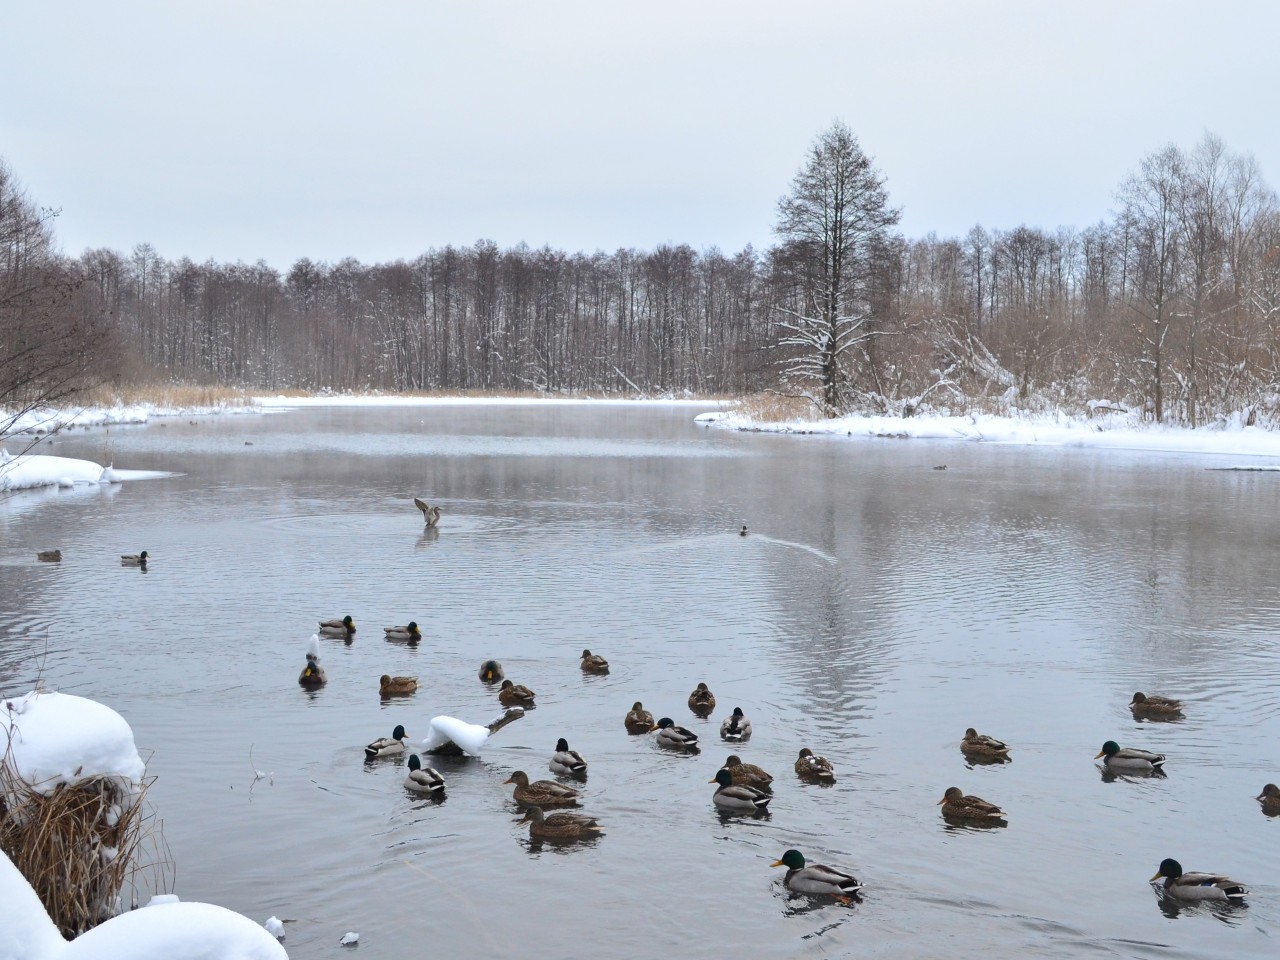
[(78, 846), (777, 408)]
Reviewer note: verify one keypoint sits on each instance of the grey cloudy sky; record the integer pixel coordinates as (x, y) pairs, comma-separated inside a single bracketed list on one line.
[(241, 130)]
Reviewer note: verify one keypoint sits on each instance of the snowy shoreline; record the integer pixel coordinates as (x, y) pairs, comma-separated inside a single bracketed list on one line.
[(1111, 431)]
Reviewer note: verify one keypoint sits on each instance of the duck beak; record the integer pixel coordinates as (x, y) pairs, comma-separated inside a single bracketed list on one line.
[(942, 801), (1100, 753), (713, 781), (508, 780), (777, 863), (1156, 877)]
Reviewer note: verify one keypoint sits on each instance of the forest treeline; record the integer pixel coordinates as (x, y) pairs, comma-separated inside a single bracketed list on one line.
[(1172, 306)]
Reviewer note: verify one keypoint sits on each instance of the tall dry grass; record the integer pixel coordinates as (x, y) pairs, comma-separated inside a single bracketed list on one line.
[(183, 396), (776, 408), (80, 847)]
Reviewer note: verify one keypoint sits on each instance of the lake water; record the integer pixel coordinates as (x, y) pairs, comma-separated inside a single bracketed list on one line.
[(878, 608)]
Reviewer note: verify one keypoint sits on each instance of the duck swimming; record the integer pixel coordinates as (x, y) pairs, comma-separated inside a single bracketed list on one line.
[(312, 674), (343, 629), (408, 632), (516, 694), (956, 805), (815, 768), (977, 744), (816, 878), (594, 663), (747, 774), (1120, 759), (1155, 708), (639, 720), (541, 793), (133, 559), (387, 746), (491, 671), (422, 779), (702, 701), (1199, 886), (736, 728), (738, 799), (560, 826), (670, 735), (390, 686), (567, 762)]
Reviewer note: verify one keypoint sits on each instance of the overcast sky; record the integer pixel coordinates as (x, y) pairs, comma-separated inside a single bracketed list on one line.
[(242, 130)]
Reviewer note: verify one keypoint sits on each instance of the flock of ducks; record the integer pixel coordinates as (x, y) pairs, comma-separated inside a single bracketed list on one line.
[(1116, 760), (744, 788), (126, 559)]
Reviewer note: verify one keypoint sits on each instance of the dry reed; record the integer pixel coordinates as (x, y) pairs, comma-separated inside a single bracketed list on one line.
[(182, 396), (771, 407), (79, 846)]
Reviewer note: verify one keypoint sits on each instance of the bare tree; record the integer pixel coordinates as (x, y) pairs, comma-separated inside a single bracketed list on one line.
[(52, 346), (831, 224)]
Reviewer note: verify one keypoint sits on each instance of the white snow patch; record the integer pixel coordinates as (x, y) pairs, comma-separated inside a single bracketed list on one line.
[(165, 929), (469, 736), (1111, 432), (56, 739), (40, 470)]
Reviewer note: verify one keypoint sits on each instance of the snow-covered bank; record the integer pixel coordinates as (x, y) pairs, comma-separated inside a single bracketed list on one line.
[(45, 421), (1108, 431), (37, 470)]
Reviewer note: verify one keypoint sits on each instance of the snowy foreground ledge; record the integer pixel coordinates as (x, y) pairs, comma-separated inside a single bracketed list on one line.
[(168, 929), (1108, 431), (270, 404)]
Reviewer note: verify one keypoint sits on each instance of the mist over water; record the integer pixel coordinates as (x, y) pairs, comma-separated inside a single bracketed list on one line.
[(877, 608)]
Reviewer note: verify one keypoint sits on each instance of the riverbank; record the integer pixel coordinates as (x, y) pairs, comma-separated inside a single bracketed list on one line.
[(1106, 430)]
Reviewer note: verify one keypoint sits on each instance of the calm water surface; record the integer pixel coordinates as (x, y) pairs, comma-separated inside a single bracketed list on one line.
[(877, 609)]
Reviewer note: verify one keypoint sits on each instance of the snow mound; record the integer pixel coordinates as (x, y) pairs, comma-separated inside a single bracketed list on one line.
[(56, 739), (38, 470), (470, 737), (168, 930)]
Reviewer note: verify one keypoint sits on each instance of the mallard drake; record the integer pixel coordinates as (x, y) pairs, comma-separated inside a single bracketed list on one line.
[(343, 629), (736, 728), (702, 701), (739, 799), (387, 746), (491, 671), (977, 744), (560, 826), (1270, 800), (594, 663), (816, 878), (541, 793), (312, 674), (390, 686), (49, 556), (1198, 886), (1155, 708), (408, 632), (133, 559), (743, 531), (1115, 757), (747, 774), (510, 694), (566, 761), (670, 735), (431, 514), (422, 779), (956, 805), (639, 720), (813, 767)]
